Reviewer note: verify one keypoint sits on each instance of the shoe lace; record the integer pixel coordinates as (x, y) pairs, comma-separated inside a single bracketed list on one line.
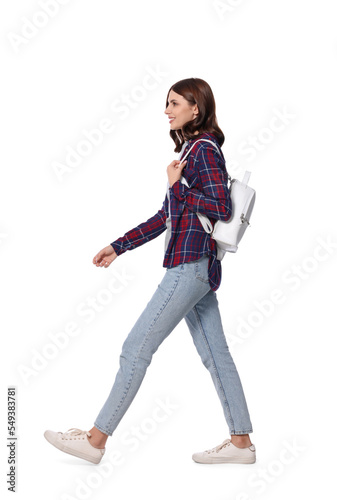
[(220, 446), (77, 432)]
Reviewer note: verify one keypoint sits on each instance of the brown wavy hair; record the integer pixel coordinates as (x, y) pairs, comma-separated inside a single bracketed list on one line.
[(196, 91)]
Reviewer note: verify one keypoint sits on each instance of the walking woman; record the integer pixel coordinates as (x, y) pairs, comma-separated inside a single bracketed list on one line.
[(188, 288)]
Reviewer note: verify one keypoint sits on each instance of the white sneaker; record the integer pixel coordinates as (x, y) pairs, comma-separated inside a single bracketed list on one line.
[(75, 442), (226, 453)]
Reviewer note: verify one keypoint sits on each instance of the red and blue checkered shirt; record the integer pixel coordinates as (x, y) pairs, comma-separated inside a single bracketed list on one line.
[(208, 194)]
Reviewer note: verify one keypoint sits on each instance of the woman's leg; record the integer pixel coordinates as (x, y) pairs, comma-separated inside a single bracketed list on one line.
[(205, 326), (177, 293)]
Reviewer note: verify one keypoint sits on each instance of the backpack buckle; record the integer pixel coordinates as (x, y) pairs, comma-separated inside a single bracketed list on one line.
[(244, 219)]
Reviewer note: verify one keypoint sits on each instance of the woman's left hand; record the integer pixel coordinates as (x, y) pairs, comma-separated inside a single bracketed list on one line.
[(174, 171)]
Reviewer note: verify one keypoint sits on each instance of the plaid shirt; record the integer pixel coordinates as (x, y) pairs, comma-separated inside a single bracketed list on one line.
[(206, 174)]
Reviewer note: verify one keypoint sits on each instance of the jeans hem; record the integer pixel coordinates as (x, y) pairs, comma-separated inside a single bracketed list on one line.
[(238, 433), (101, 429)]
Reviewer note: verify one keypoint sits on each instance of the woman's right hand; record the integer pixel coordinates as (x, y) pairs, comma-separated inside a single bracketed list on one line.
[(174, 171), (105, 257)]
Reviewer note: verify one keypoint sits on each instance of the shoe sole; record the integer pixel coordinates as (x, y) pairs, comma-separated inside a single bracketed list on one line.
[(75, 453), (222, 460)]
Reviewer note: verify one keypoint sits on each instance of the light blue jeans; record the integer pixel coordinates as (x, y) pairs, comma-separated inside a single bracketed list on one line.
[(184, 292)]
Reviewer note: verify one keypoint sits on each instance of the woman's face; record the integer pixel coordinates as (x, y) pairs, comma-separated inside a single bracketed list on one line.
[(179, 110)]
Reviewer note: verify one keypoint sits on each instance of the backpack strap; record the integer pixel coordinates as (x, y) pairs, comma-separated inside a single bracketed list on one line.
[(199, 140), (206, 223)]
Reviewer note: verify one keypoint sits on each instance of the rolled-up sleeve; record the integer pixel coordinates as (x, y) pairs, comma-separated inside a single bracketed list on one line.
[(214, 198)]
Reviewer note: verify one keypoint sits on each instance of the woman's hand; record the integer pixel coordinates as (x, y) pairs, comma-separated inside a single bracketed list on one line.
[(174, 171), (105, 257)]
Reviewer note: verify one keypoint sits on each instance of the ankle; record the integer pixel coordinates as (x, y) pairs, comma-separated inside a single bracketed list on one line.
[(241, 440), (97, 438)]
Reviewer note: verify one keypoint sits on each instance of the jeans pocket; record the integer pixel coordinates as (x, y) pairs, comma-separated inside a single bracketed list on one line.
[(201, 269)]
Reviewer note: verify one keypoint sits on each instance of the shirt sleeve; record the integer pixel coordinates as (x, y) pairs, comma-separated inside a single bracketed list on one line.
[(214, 198), (144, 232)]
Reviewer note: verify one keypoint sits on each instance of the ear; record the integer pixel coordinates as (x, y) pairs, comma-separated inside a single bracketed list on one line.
[(195, 109)]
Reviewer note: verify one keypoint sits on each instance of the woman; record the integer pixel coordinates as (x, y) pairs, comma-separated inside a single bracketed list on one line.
[(188, 288)]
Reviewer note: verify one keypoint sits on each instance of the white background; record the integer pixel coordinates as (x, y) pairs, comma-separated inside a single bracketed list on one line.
[(262, 59)]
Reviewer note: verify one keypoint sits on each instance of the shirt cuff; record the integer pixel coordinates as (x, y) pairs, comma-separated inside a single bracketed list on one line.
[(118, 246)]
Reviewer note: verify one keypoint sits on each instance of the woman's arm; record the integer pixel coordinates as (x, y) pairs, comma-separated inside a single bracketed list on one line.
[(143, 233), (214, 199)]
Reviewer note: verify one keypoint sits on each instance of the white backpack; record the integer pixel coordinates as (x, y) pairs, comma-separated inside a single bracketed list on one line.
[(228, 234)]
